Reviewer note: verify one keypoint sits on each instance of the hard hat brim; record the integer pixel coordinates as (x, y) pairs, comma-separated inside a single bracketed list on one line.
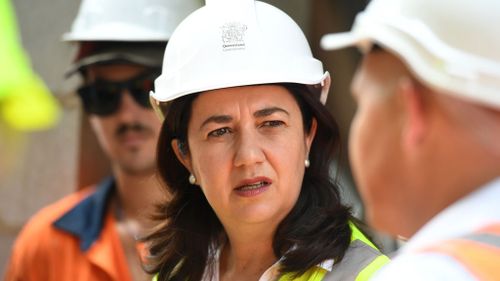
[(451, 77), (157, 102), (335, 41), (149, 56)]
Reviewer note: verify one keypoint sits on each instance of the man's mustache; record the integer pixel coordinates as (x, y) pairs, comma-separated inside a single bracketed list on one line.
[(135, 127)]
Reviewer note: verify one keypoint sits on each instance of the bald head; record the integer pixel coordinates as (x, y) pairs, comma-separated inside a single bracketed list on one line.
[(415, 150)]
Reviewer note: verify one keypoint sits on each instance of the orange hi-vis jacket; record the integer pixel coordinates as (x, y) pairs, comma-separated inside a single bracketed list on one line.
[(478, 252), (72, 239)]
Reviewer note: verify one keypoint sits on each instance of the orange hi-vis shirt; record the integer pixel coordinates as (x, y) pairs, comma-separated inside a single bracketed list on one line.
[(479, 252), (72, 239)]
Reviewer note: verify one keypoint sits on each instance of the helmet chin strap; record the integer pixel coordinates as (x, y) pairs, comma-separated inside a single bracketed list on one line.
[(156, 106), (325, 87)]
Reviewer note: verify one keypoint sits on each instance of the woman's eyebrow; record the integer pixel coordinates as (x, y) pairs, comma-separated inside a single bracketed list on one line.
[(269, 111), (219, 119)]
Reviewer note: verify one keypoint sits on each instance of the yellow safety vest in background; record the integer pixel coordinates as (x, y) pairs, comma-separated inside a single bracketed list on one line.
[(25, 102)]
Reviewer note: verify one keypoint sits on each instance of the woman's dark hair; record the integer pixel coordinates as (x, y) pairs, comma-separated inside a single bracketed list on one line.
[(316, 229)]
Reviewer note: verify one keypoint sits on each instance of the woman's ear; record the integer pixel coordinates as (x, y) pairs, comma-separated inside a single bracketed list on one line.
[(182, 153), (311, 134)]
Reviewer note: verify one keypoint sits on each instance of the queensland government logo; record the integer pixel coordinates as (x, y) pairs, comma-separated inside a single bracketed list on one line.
[(233, 36)]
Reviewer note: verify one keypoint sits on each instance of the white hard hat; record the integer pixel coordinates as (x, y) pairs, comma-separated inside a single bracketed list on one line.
[(451, 45), (129, 20), (230, 43)]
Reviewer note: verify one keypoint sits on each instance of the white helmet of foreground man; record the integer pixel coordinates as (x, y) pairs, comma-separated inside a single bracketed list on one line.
[(230, 43), (451, 45), (129, 20)]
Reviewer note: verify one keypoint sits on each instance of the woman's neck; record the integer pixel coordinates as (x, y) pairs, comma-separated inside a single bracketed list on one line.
[(247, 254)]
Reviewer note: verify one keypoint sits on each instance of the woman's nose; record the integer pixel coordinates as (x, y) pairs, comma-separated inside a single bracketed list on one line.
[(248, 148)]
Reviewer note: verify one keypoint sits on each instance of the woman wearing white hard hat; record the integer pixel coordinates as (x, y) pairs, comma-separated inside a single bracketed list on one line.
[(245, 150)]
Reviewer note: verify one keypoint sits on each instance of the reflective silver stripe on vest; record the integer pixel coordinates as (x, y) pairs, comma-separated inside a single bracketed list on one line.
[(484, 238), (358, 256)]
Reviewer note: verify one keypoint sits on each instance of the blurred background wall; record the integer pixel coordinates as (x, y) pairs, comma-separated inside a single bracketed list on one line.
[(67, 157), (47, 165)]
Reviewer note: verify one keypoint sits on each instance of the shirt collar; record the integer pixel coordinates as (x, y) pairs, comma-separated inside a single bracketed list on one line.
[(270, 274), (472, 212), (86, 219), (273, 272), (327, 265)]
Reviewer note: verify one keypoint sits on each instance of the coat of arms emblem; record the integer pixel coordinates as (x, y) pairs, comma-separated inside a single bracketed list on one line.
[(233, 36)]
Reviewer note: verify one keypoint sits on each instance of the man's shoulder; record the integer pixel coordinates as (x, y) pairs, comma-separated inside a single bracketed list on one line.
[(423, 266), (39, 243), (40, 224)]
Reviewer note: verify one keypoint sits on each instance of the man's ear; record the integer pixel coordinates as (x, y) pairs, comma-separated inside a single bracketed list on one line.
[(415, 118), (182, 153)]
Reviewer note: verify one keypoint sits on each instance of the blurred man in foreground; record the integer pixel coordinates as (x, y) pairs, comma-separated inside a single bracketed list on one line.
[(425, 141)]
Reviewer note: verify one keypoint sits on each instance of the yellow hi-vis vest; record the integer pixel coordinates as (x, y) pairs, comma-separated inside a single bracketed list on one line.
[(361, 260), (478, 252)]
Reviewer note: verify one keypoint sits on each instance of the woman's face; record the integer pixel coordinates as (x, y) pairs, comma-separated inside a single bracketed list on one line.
[(247, 148)]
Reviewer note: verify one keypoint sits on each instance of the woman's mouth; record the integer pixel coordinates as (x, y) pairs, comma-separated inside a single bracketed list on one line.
[(253, 187)]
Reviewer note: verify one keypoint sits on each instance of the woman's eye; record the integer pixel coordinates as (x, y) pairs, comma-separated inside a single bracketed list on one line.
[(273, 123), (219, 132)]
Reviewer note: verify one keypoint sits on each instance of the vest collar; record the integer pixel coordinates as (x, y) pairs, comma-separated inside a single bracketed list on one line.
[(86, 219)]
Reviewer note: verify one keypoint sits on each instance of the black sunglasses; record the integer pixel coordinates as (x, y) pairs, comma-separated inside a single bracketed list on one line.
[(102, 97)]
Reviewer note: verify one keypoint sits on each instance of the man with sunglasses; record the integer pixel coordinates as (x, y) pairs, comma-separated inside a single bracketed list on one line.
[(92, 234)]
